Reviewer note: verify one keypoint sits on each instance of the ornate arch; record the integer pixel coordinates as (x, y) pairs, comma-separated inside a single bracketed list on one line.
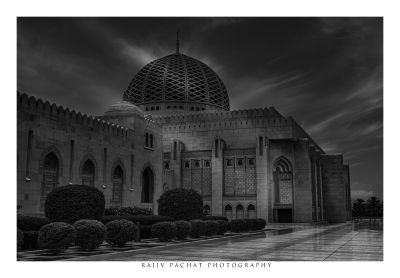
[(147, 164), (283, 164), (251, 205), (118, 162), (85, 158), (57, 153), (151, 183)]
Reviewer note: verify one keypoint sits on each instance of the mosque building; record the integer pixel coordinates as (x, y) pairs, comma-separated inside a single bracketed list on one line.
[(174, 128)]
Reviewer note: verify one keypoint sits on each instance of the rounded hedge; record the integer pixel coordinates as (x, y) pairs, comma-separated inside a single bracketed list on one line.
[(137, 219), (74, 202), (182, 229), (181, 204), (260, 223), (222, 227), (237, 225), (198, 228), (164, 231), (119, 232), (30, 240), (89, 234), (215, 217), (20, 239), (211, 227), (31, 223), (56, 236), (248, 225)]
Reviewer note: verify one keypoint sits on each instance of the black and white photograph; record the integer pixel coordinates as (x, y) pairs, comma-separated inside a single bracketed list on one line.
[(200, 139)]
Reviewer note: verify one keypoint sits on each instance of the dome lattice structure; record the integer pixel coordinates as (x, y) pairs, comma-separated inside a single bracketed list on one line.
[(177, 78)]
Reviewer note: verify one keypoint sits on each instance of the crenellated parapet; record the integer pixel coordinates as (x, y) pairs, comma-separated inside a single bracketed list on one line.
[(206, 120), (216, 115), (53, 111)]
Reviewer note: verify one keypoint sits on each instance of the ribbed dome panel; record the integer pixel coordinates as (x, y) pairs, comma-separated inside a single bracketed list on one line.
[(177, 77)]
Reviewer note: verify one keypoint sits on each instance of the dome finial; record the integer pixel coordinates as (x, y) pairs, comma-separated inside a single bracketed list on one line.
[(177, 42)]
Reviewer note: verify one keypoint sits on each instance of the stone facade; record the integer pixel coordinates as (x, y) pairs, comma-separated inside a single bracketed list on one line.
[(246, 163)]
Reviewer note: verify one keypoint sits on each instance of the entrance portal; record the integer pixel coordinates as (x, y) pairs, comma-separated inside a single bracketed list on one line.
[(283, 215), (283, 188)]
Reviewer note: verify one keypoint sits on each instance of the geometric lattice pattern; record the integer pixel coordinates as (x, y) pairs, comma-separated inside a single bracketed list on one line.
[(177, 77), (285, 191), (239, 180)]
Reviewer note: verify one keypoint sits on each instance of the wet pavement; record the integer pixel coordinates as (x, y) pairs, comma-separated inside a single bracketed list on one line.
[(341, 242)]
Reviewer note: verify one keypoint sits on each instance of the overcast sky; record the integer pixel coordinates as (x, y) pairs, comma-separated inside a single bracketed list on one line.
[(325, 72)]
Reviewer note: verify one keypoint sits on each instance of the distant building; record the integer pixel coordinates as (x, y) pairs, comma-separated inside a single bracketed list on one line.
[(174, 128)]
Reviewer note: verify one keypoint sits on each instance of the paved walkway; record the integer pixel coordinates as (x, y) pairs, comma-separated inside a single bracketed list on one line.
[(342, 242)]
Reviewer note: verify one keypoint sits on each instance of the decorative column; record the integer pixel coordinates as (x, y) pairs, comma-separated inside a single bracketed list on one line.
[(217, 176), (262, 156)]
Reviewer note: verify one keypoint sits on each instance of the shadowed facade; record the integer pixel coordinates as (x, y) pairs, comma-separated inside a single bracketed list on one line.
[(174, 128)]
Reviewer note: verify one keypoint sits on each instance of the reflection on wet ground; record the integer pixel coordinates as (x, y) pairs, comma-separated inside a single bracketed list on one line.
[(341, 242)]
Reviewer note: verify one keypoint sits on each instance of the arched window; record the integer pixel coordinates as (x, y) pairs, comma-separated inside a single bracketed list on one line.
[(239, 212), (251, 211), (50, 176), (228, 212), (88, 173), (206, 210), (118, 181), (283, 188), (146, 140), (147, 185), (151, 140)]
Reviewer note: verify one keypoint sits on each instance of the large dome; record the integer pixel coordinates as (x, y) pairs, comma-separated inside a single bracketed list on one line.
[(177, 82)]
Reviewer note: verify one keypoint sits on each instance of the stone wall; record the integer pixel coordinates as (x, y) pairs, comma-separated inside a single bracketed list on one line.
[(44, 128), (334, 189)]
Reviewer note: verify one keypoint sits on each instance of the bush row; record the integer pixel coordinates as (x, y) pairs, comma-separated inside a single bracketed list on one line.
[(139, 219), (244, 225), (134, 211), (90, 234), (181, 229)]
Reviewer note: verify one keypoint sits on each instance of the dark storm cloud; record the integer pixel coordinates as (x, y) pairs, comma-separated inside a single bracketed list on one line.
[(325, 72)]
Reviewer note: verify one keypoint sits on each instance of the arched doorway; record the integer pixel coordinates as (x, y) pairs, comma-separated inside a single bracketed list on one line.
[(50, 176), (239, 212), (228, 212), (88, 173), (147, 185), (283, 187), (251, 211), (118, 181)]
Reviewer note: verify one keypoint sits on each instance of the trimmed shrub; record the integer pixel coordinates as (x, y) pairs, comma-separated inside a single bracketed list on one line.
[(237, 225), (164, 231), (56, 236), (145, 231), (20, 239), (260, 223), (181, 204), (30, 240), (248, 225), (141, 220), (31, 223), (120, 232), (211, 217), (197, 228), (127, 211), (74, 202), (182, 229), (211, 227), (89, 234), (222, 227)]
